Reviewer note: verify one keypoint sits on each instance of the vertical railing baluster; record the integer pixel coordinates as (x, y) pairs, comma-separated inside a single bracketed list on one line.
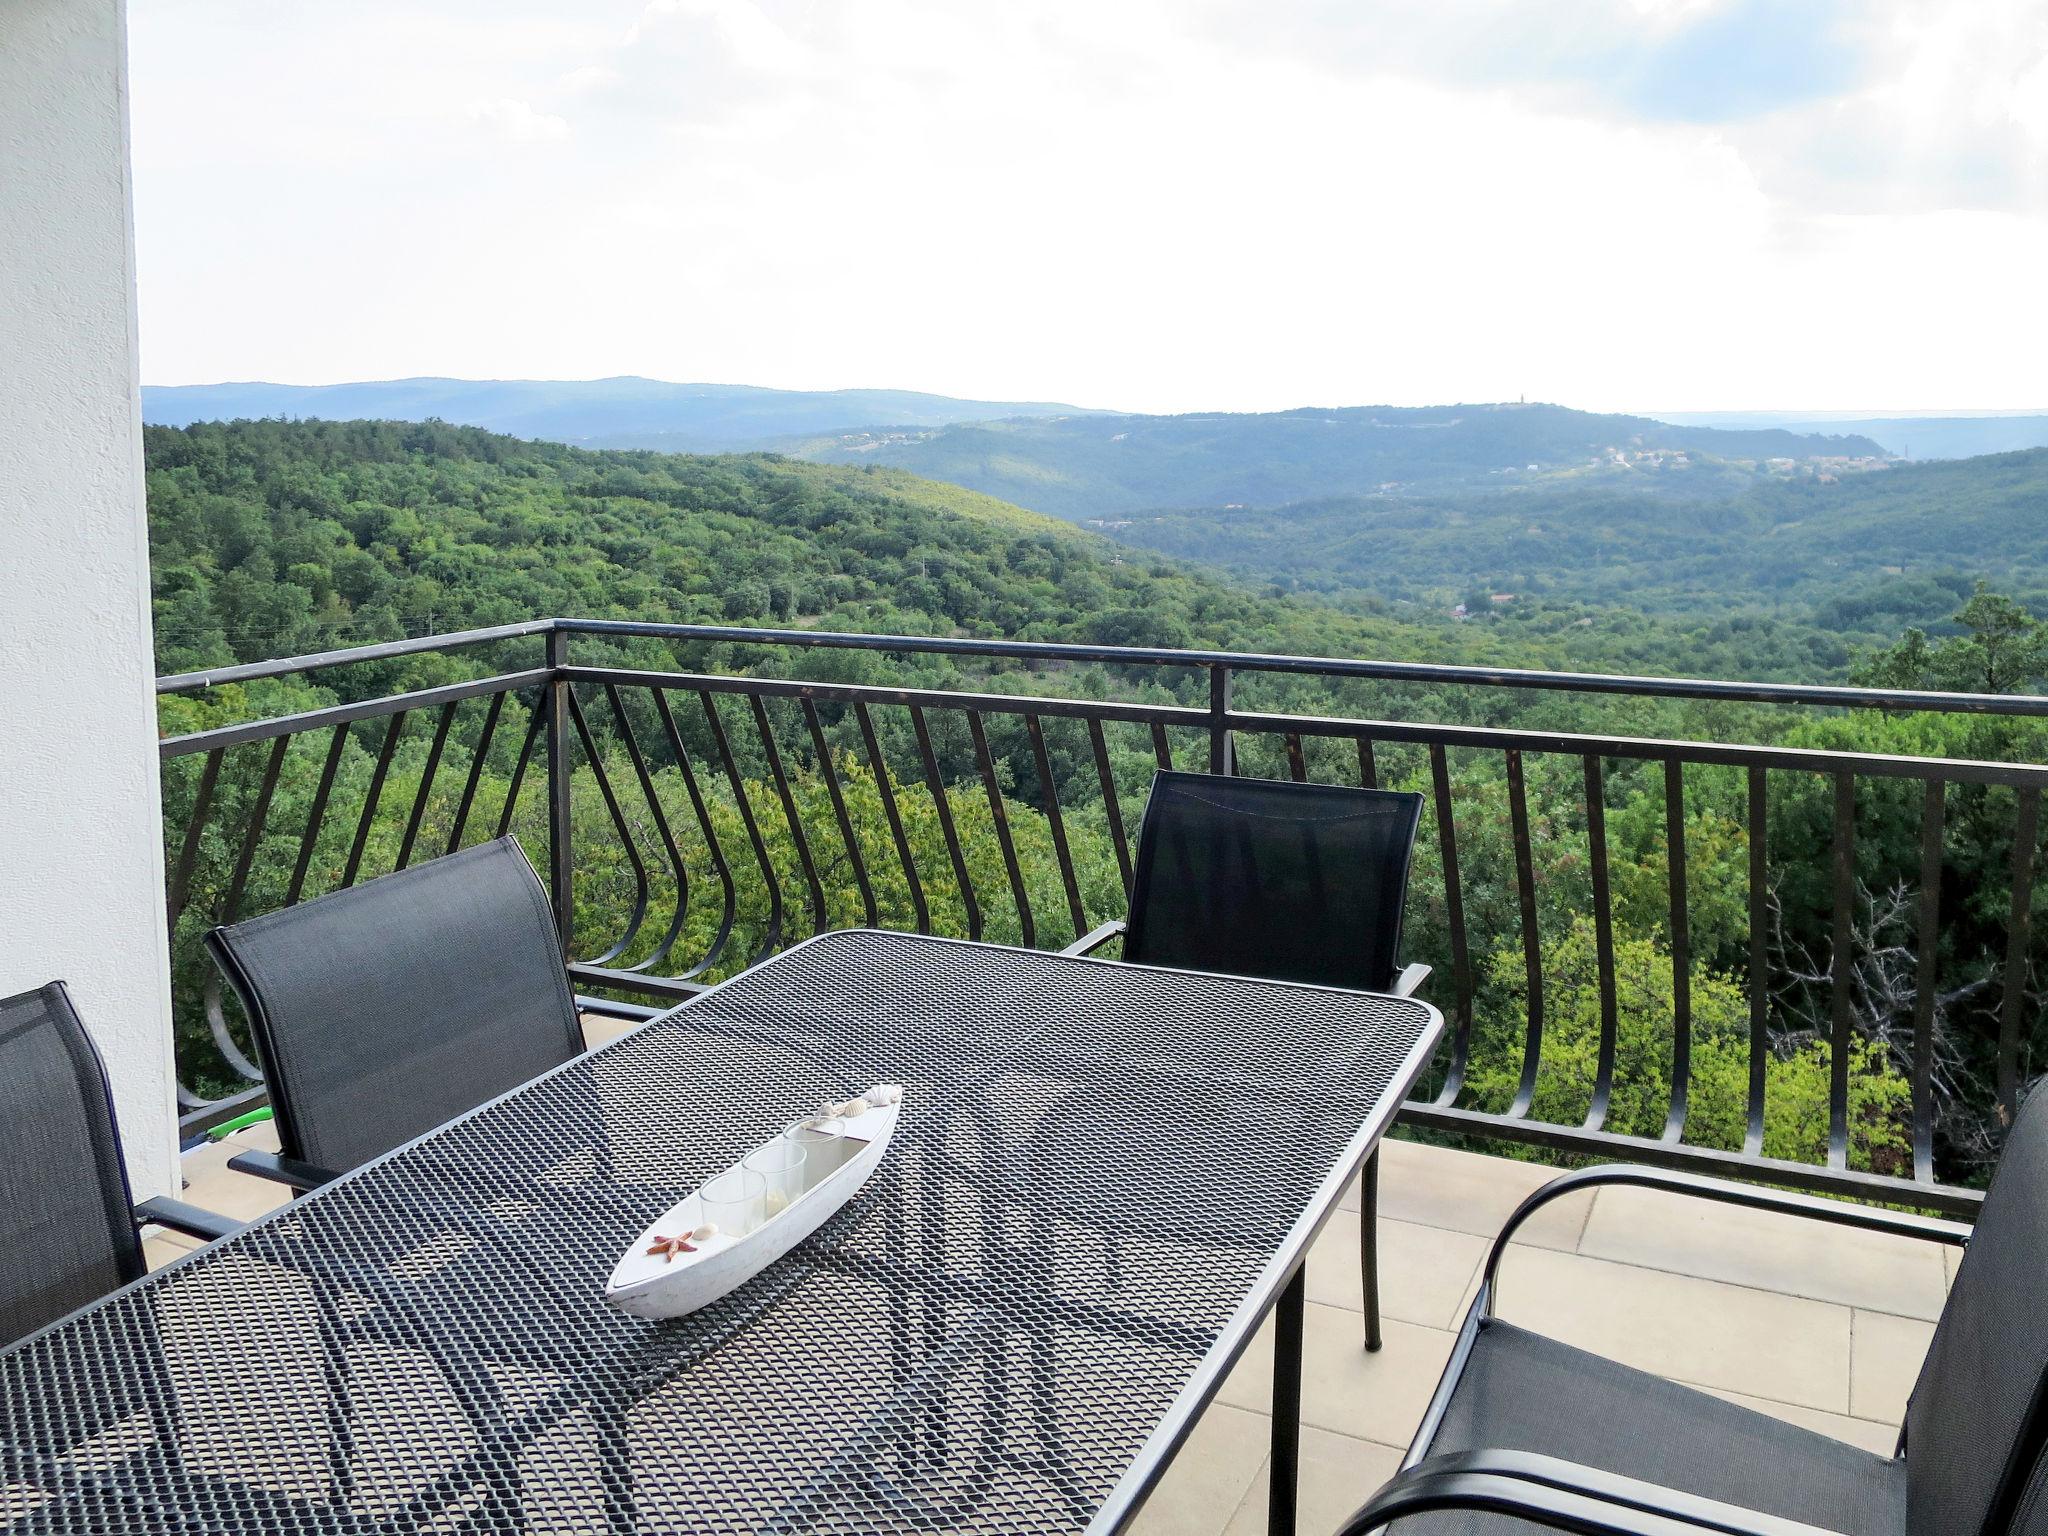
[(1107, 780), (1368, 769), (1603, 939), (231, 908), (371, 797), (561, 802), (880, 767), (830, 775), (644, 777), (608, 797), (943, 807), (663, 830), (259, 813), (1297, 764), (1221, 686), (2018, 951), (1056, 822), (1759, 962), (188, 852), (535, 721), (1841, 970), (820, 918), (1532, 949), (1162, 753), (476, 770), (729, 913), (316, 815), (1454, 913), (1929, 915), (1681, 948), (1002, 820), (772, 938), (419, 801)]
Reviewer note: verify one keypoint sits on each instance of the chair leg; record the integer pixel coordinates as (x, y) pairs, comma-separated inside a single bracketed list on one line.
[(1369, 1247)]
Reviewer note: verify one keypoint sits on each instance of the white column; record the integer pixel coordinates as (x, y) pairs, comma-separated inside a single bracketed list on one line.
[(81, 862)]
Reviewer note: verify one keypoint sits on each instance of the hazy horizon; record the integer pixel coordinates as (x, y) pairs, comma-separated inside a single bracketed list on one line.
[(1079, 401)]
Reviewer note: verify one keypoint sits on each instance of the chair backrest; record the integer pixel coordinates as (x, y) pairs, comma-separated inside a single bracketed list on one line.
[(67, 1236), (1257, 877), (1974, 1424), (385, 1009)]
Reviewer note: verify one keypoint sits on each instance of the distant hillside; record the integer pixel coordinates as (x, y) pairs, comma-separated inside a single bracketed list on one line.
[(1109, 465), (269, 538), (614, 413), (1908, 437), (1872, 550)]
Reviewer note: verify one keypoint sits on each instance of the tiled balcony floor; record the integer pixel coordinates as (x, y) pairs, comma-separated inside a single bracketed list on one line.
[(1823, 1327)]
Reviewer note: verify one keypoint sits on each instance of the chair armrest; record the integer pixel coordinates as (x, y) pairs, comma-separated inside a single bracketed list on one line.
[(1755, 1196), (281, 1170), (1095, 938), (1562, 1496), (162, 1211), (1411, 977)]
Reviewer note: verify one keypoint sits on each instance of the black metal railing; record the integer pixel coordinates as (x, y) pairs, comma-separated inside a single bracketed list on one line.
[(690, 819)]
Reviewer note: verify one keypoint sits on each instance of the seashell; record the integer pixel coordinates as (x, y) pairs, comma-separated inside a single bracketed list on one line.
[(708, 1230), (854, 1108), (883, 1093)]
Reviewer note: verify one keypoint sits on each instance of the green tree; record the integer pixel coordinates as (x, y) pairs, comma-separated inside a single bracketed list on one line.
[(2003, 649)]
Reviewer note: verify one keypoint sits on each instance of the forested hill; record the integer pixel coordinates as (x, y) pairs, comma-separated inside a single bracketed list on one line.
[(274, 538), (1108, 466), (1874, 551)]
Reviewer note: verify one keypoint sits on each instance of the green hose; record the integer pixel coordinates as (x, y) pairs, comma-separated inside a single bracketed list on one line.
[(229, 1127)]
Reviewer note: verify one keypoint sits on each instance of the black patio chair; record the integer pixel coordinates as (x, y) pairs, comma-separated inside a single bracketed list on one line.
[(386, 1009), (1283, 881), (69, 1229), (1525, 1433)]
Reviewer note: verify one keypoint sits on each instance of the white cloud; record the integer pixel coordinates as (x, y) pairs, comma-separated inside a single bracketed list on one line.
[(589, 77), (1144, 204), (517, 122)]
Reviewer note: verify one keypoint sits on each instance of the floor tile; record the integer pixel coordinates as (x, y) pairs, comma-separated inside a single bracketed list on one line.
[(1888, 1353), (1789, 1348), (601, 1028), (1373, 1396), (1470, 1192), (1209, 1475), (159, 1251), (1424, 1271), (1766, 1250), (1338, 1473), (213, 1186)]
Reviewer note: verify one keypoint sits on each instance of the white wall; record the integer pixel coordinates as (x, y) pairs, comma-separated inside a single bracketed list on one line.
[(81, 866)]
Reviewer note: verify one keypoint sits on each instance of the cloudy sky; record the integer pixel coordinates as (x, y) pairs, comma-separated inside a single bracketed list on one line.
[(1146, 204)]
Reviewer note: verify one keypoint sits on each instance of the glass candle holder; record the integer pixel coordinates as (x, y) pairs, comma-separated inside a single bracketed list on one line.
[(733, 1200), (781, 1166), (824, 1144)]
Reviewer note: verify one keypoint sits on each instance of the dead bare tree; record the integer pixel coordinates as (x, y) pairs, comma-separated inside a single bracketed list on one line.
[(1883, 994)]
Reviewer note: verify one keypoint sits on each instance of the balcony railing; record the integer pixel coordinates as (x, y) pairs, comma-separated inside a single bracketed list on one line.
[(692, 814)]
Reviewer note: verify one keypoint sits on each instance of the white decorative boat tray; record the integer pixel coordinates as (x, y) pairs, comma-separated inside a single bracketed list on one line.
[(684, 1261)]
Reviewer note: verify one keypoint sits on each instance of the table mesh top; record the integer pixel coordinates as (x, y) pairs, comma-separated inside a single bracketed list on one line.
[(1094, 1165)]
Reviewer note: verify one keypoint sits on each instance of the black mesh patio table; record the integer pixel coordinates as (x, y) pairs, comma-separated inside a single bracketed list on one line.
[(1104, 1177)]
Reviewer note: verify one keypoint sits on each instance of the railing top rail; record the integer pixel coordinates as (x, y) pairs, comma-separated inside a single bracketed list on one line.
[(214, 677), (1708, 689)]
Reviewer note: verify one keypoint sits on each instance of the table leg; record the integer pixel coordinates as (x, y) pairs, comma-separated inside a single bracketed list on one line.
[(1286, 1465), (1369, 1247)]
